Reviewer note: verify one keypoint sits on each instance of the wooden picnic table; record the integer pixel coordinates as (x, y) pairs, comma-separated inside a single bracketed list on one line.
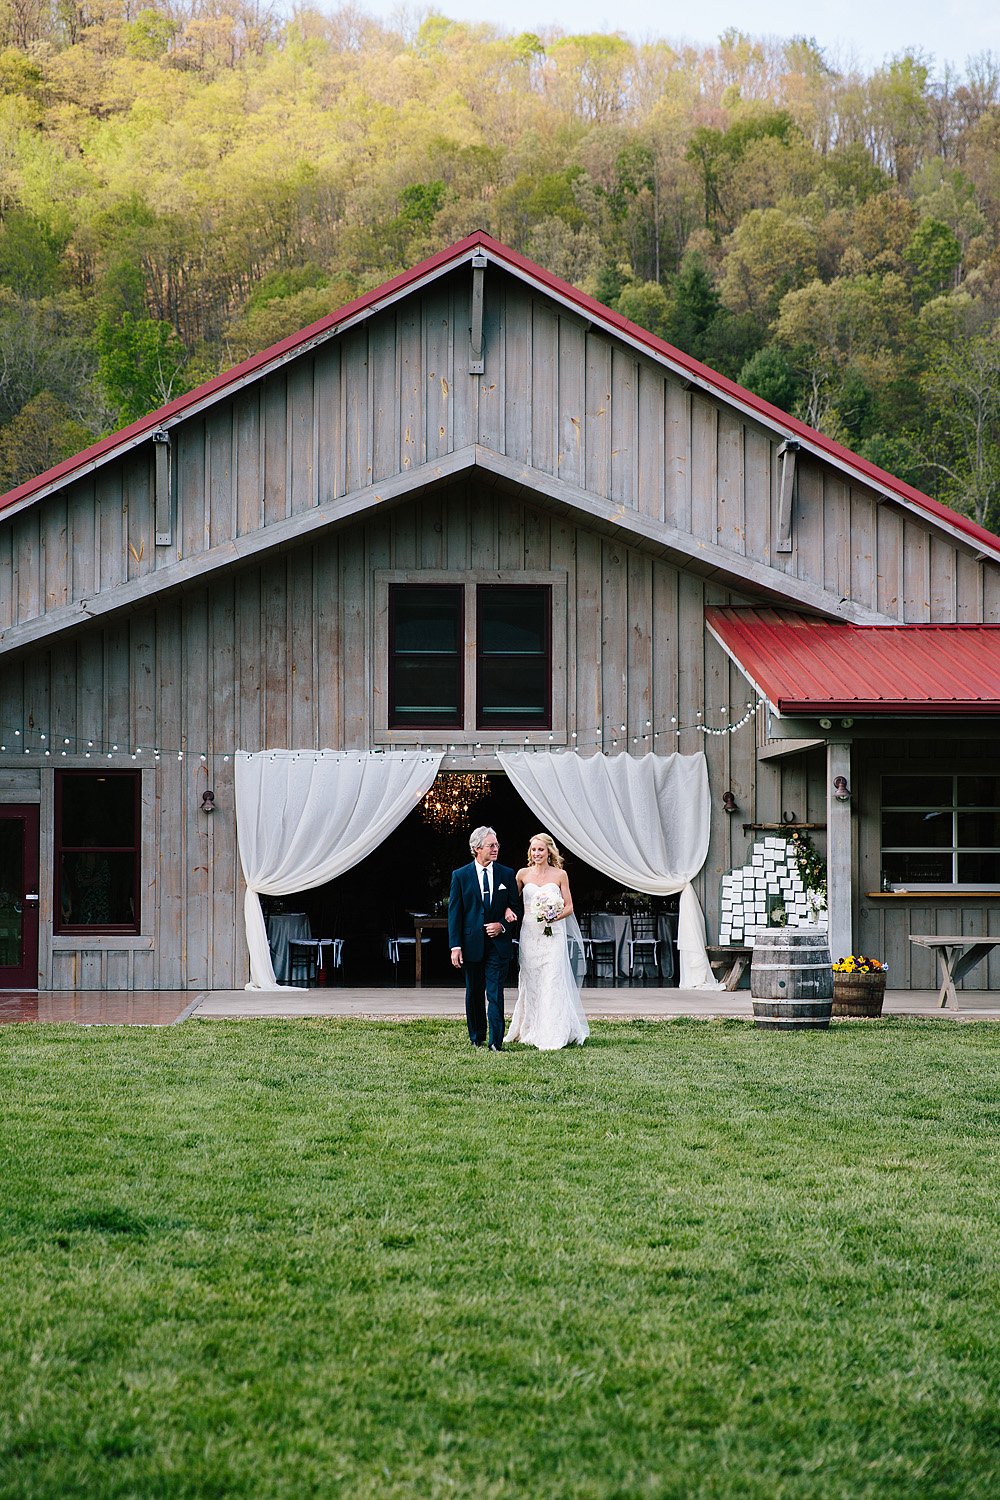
[(956, 957)]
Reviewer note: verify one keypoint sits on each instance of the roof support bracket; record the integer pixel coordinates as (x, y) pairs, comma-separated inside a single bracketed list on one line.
[(787, 453), (476, 365), (163, 511)]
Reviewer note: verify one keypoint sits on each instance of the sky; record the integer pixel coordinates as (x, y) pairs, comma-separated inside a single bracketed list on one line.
[(865, 31)]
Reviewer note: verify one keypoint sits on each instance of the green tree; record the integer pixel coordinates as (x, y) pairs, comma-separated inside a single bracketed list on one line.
[(770, 252), (962, 387), (935, 255), (140, 364), (769, 374), (42, 434), (646, 304)]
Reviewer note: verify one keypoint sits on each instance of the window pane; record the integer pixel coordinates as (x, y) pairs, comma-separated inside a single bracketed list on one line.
[(11, 888), (98, 811), (979, 828), (426, 690), (514, 691), (513, 620), (916, 830), (979, 791), (976, 868), (917, 791), (924, 869), (96, 890), (425, 619)]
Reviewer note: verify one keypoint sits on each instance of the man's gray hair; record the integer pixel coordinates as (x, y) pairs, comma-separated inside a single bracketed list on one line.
[(478, 837)]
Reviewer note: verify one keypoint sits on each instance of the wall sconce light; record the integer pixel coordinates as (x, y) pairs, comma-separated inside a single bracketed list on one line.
[(841, 790), (729, 802), (208, 802)]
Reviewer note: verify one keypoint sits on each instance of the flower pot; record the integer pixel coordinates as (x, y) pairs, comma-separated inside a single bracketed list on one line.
[(858, 994)]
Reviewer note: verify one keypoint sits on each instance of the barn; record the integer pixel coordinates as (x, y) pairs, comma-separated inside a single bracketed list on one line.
[(475, 524)]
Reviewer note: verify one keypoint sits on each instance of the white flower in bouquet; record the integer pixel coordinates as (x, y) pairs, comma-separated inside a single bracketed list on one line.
[(545, 908)]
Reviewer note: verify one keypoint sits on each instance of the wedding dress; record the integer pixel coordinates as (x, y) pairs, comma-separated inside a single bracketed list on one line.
[(548, 1013)]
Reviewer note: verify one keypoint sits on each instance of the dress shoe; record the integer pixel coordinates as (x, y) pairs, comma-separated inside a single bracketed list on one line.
[(495, 1048)]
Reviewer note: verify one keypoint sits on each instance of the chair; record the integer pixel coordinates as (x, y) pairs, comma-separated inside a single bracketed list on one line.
[(643, 942), (302, 961), (329, 957), (597, 950), (396, 942)]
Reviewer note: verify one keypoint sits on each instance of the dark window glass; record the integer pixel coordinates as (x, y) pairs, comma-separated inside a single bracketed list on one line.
[(979, 868), (514, 657), (917, 791), (919, 868), (979, 830), (97, 851), (979, 791), (425, 656), (915, 830), (941, 830)]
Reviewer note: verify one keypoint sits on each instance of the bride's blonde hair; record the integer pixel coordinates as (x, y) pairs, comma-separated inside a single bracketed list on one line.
[(555, 858)]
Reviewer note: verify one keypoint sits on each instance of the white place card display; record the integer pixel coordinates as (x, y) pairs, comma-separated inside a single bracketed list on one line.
[(747, 894)]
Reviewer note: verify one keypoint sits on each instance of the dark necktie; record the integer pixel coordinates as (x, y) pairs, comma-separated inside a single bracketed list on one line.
[(486, 887)]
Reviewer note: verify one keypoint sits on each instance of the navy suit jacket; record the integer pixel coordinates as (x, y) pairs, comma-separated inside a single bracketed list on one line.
[(467, 916)]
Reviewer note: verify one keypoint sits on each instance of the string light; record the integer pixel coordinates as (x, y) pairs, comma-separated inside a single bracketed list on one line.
[(603, 737)]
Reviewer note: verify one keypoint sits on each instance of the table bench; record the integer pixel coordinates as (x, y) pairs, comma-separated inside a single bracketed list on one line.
[(956, 957), (733, 960)]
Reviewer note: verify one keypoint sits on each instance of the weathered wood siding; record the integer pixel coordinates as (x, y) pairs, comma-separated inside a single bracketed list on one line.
[(559, 396), (282, 655)]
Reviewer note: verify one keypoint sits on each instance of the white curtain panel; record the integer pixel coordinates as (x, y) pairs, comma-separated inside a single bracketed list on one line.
[(643, 820), (303, 817)]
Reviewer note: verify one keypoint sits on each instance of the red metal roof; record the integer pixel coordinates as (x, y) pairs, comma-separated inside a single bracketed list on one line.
[(805, 666), (436, 265)]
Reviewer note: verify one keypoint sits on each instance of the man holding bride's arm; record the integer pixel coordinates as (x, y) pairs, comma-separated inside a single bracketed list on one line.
[(484, 908)]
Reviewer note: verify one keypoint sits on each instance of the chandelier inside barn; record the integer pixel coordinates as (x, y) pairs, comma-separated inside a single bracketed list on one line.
[(447, 804)]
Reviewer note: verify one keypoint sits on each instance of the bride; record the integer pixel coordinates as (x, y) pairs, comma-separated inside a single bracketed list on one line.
[(548, 1013)]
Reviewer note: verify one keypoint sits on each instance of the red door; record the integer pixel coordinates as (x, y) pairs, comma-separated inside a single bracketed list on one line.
[(18, 897)]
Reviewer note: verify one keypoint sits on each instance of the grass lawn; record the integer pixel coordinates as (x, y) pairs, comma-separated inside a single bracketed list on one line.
[(344, 1258)]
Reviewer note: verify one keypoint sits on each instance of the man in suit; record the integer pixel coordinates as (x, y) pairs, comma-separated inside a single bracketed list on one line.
[(483, 908)]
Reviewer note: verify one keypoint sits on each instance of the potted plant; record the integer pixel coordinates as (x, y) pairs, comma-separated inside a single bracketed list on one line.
[(858, 986)]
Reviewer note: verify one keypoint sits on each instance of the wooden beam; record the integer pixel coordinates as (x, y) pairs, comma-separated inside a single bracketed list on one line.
[(839, 840), (784, 748), (706, 558), (476, 365), (787, 454)]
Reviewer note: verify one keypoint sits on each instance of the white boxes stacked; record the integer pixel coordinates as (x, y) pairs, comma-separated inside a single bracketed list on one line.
[(747, 892)]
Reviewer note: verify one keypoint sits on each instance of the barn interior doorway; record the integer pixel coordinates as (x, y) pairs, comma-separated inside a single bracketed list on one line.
[(411, 872)]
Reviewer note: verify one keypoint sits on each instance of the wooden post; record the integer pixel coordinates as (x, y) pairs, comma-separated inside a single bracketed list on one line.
[(838, 851)]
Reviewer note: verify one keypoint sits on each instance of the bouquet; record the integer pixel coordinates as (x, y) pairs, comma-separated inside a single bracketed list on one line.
[(857, 963), (545, 908)]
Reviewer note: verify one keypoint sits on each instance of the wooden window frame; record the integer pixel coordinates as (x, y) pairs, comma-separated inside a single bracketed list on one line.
[(483, 591), (469, 734), (59, 848), (392, 656), (952, 850)]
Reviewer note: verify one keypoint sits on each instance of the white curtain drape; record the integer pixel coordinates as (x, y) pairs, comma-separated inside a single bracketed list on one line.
[(303, 817), (643, 820)]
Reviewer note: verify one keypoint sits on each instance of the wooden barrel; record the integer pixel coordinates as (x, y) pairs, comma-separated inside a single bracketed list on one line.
[(858, 994), (791, 979)]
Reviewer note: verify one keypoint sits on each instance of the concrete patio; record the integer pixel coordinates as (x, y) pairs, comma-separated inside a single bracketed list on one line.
[(170, 1007)]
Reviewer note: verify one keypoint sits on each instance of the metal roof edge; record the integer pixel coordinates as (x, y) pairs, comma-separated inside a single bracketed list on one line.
[(447, 259)]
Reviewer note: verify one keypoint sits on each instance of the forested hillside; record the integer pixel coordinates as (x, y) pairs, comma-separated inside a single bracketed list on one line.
[(183, 184)]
